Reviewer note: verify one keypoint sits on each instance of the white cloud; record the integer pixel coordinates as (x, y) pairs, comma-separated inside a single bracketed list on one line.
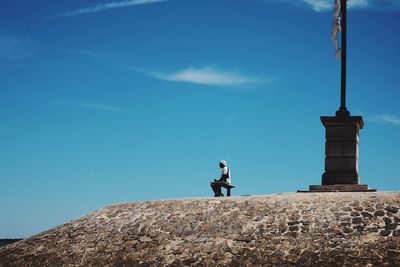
[(327, 5), (12, 47), (106, 6), (321, 5), (98, 106), (359, 3), (386, 118), (209, 76), (86, 105)]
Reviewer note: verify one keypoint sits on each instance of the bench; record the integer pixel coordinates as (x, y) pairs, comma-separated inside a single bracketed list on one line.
[(224, 185)]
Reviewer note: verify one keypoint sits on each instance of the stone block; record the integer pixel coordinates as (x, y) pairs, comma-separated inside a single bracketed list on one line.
[(385, 232), (392, 209), (340, 187), (379, 213), (356, 220), (366, 214), (348, 133), (343, 164), (332, 121), (341, 148), (391, 226), (332, 178)]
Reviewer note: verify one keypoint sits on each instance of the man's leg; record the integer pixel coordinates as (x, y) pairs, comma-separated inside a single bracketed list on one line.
[(219, 186), (217, 189), (214, 189)]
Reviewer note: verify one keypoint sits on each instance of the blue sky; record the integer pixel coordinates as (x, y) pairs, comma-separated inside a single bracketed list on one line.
[(108, 101)]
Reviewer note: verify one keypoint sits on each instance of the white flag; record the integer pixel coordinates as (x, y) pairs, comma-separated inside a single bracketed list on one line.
[(336, 27)]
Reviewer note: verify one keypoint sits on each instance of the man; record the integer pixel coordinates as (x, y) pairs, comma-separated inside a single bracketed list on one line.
[(225, 177)]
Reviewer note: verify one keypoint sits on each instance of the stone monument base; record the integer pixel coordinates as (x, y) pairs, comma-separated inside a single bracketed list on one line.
[(338, 188)]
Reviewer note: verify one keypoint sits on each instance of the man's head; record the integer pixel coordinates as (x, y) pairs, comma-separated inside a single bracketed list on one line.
[(222, 163)]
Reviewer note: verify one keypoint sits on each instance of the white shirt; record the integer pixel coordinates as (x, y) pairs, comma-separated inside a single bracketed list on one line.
[(224, 171)]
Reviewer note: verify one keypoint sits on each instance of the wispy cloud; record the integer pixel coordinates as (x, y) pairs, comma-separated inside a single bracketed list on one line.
[(386, 5), (321, 5), (386, 118), (104, 7), (13, 47), (87, 53), (86, 105), (209, 76), (327, 5), (98, 106), (230, 118)]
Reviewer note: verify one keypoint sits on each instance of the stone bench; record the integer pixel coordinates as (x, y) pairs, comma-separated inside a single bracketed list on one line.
[(224, 185)]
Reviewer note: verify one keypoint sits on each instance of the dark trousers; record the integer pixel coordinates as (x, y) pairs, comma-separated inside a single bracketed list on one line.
[(216, 187)]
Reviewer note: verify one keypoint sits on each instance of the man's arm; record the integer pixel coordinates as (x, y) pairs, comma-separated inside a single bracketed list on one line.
[(224, 174)]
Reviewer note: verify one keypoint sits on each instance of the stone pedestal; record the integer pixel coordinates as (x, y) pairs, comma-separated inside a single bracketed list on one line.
[(341, 155), (341, 149)]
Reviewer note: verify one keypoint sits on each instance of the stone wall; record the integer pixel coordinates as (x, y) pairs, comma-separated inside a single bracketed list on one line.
[(307, 229), (8, 241)]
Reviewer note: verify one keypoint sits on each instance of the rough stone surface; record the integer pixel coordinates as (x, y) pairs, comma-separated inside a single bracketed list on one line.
[(8, 241), (315, 229)]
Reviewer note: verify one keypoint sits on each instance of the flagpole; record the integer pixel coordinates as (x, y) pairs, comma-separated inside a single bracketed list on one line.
[(343, 110)]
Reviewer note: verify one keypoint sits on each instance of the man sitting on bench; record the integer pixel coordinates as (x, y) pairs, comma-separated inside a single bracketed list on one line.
[(223, 181)]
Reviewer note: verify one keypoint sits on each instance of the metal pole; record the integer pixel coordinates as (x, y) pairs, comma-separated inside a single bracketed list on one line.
[(344, 37), (343, 110)]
